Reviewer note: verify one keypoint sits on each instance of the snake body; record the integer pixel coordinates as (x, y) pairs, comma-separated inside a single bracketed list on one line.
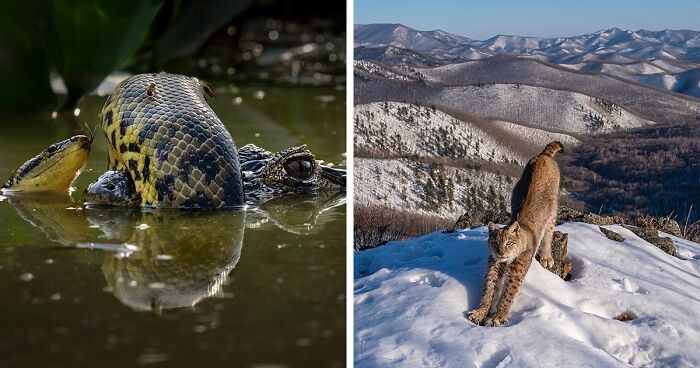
[(161, 131), (168, 149)]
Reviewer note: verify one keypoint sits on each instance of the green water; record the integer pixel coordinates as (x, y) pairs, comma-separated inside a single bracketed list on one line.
[(109, 287)]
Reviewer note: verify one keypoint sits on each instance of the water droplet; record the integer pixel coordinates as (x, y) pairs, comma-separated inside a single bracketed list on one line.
[(325, 98), (133, 283), (304, 341), (273, 35), (156, 285), (76, 112), (26, 277), (199, 328), (49, 261), (257, 135), (164, 257), (54, 115), (55, 296), (237, 100), (142, 226), (259, 94)]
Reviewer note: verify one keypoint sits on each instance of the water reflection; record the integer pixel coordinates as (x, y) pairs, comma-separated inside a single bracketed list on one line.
[(296, 213), (155, 260), (182, 257)]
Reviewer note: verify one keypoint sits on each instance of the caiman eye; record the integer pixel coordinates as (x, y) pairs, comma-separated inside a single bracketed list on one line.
[(52, 148), (299, 169)]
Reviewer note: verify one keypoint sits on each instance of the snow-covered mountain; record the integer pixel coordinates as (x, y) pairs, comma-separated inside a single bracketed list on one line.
[(662, 59), (419, 159), (439, 132), (680, 45), (430, 85), (406, 37), (411, 298)]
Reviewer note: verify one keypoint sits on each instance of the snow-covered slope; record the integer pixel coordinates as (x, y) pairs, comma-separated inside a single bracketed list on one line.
[(428, 162), (401, 183), (403, 129), (650, 103), (411, 298), (375, 69), (538, 107)]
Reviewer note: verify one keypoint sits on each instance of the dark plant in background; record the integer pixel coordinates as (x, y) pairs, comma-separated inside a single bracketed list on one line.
[(86, 40)]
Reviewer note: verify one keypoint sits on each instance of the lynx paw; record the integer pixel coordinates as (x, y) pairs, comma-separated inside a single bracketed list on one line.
[(547, 262), (495, 322), (477, 316)]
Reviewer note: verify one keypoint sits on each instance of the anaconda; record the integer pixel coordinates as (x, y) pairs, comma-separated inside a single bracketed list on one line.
[(168, 149)]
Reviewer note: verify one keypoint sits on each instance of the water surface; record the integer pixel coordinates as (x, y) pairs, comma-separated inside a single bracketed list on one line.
[(109, 287)]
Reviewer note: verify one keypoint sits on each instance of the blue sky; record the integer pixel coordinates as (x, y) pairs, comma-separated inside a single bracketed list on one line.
[(484, 19)]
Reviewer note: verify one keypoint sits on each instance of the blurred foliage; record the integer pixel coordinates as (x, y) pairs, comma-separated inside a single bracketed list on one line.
[(24, 65), (85, 40), (192, 25), (88, 39)]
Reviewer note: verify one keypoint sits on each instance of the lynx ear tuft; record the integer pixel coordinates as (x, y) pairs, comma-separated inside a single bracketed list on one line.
[(514, 227), (492, 227)]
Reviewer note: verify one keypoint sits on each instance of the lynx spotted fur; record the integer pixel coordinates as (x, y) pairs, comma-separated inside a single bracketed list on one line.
[(511, 249)]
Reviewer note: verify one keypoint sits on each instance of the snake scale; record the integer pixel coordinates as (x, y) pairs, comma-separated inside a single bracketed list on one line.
[(168, 149)]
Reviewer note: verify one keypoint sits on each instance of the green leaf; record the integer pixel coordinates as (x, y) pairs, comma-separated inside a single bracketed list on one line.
[(24, 64), (90, 39), (194, 24)]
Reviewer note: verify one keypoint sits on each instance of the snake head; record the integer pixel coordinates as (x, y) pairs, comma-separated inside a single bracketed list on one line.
[(54, 169)]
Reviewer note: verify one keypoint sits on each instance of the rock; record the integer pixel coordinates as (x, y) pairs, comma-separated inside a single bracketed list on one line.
[(611, 234), (625, 316), (567, 214), (472, 219), (560, 247), (665, 224), (652, 236), (669, 226)]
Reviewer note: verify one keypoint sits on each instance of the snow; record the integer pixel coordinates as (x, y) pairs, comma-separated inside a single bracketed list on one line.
[(564, 111), (377, 70), (391, 130), (399, 183), (411, 298)]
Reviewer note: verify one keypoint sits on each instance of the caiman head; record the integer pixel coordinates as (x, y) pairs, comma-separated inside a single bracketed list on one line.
[(294, 169)]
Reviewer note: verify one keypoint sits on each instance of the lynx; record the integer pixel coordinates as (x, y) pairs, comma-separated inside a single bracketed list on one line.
[(511, 249)]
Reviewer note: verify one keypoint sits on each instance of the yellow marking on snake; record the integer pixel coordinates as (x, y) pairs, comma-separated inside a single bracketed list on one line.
[(54, 169), (172, 144)]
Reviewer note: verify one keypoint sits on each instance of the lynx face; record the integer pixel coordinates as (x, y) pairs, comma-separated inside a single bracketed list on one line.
[(507, 243)]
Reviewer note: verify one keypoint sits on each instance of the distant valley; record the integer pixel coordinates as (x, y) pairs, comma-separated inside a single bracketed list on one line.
[(444, 123)]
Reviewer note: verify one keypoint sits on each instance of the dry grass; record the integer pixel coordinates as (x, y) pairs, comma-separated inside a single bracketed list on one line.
[(375, 225)]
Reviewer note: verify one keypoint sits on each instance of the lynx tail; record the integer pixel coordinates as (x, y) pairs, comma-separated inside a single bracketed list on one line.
[(552, 148)]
